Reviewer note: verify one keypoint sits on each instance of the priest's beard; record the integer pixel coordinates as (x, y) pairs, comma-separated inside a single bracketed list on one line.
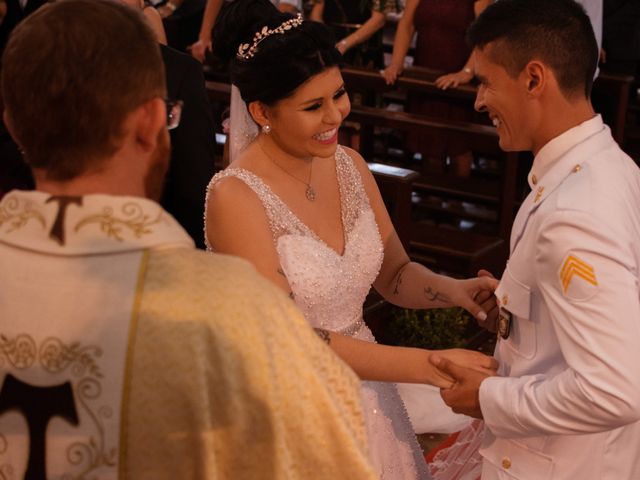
[(155, 178)]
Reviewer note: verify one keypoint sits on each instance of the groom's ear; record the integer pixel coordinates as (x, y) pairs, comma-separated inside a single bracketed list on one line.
[(259, 113)]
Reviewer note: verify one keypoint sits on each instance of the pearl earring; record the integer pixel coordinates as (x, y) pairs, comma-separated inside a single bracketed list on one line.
[(266, 129)]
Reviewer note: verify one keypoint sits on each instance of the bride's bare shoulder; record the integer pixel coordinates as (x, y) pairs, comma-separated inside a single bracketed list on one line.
[(233, 214), (230, 192), (234, 190)]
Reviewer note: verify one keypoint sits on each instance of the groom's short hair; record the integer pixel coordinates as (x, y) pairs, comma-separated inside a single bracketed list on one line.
[(556, 32)]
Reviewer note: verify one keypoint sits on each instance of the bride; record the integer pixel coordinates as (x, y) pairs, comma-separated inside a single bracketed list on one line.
[(307, 214)]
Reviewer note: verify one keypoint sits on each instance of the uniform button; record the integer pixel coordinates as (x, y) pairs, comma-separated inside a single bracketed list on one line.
[(505, 299), (506, 463), (577, 168), (534, 179)]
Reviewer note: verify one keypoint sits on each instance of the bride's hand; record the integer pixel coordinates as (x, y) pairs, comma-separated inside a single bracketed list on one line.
[(474, 295), (465, 358), (489, 304)]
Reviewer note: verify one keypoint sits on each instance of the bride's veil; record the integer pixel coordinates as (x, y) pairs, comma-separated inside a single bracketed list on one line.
[(242, 129)]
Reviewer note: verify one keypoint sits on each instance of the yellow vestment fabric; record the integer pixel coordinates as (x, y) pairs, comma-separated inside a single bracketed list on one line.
[(220, 375)]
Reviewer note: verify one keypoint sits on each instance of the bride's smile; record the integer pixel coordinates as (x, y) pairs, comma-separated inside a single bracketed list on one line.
[(327, 137)]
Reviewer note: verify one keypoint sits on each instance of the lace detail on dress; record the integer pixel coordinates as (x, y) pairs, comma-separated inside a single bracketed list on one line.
[(353, 198), (281, 219)]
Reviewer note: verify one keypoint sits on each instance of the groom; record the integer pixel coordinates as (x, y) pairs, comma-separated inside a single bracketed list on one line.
[(567, 405)]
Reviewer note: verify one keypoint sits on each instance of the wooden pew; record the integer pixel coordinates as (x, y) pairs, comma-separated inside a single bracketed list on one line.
[(396, 187), (453, 250), (481, 138), (610, 96), (610, 93), (443, 249)]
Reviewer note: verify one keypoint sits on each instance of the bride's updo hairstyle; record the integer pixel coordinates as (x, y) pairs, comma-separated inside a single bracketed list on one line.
[(281, 62)]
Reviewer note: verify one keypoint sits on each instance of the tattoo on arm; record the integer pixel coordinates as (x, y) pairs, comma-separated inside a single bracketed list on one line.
[(324, 335), (396, 289), (434, 296)]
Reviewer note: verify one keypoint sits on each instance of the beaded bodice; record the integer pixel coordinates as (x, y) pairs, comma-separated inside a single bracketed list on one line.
[(329, 288)]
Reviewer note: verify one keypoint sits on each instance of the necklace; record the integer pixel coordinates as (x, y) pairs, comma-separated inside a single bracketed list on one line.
[(309, 192)]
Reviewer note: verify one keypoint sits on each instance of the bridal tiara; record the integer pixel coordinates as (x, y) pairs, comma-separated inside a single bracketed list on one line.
[(247, 51)]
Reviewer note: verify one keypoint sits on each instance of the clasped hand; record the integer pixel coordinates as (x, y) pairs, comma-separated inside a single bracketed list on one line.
[(459, 357), (463, 394), (476, 296), (461, 371)]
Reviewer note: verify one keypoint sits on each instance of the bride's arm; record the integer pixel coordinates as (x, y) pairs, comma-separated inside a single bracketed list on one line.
[(236, 224), (383, 363), (409, 284)]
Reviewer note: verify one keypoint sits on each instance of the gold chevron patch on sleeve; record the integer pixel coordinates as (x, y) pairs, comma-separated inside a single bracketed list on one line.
[(573, 266)]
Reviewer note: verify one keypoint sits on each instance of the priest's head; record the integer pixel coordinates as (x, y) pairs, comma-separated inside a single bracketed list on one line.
[(84, 91)]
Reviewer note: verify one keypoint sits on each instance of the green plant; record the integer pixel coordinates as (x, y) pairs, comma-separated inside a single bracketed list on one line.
[(435, 328)]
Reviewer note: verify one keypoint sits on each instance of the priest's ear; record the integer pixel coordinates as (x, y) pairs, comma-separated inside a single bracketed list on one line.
[(142, 126)]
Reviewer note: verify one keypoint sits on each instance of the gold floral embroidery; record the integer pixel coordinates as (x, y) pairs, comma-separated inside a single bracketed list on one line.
[(55, 356), (16, 214), (133, 219), (92, 453), (19, 352)]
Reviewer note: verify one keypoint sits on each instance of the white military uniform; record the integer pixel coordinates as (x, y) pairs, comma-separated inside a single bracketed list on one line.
[(569, 402)]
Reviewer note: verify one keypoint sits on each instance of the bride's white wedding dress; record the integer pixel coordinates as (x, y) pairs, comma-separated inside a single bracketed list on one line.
[(330, 289)]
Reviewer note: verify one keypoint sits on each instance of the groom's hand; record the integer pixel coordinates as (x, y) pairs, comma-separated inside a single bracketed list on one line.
[(463, 396), (487, 300), (464, 358), (469, 359)]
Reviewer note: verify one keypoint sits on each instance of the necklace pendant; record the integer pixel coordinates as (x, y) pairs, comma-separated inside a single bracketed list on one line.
[(310, 193)]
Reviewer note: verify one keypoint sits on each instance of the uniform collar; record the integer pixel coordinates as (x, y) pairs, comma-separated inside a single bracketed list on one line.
[(563, 156), (560, 156), (86, 225)]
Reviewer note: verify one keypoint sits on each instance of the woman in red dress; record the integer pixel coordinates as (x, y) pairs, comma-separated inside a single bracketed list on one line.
[(440, 45)]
